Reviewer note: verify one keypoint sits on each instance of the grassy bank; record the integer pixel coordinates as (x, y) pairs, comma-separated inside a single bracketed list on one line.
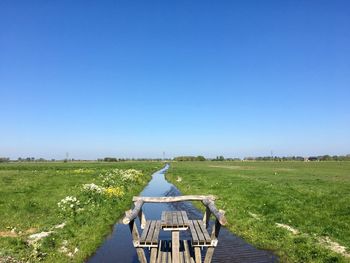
[(300, 210), (29, 197)]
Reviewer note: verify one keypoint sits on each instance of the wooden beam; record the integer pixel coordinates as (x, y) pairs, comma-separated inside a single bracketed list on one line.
[(142, 219), (175, 247), (159, 256), (215, 233), (135, 233), (171, 199), (153, 255), (209, 255), (206, 217), (136, 240), (141, 255), (129, 216), (219, 214), (187, 251), (197, 254)]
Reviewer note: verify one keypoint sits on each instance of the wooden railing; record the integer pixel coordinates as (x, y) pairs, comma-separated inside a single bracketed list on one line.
[(207, 200)]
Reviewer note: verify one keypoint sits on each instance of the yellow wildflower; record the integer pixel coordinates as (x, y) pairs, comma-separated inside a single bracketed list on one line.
[(114, 191)]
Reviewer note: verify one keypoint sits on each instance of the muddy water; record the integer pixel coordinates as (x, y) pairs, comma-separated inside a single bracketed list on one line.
[(118, 246)]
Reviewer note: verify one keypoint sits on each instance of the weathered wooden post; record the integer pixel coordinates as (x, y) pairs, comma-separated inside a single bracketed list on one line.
[(220, 220), (135, 236), (142, 219), (206, 217)]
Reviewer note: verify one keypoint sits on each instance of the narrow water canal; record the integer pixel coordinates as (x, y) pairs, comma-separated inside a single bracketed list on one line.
[(118, 246)]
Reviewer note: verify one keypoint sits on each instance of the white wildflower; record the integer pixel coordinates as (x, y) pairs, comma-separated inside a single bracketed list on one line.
[(69, 204), (93, 188)]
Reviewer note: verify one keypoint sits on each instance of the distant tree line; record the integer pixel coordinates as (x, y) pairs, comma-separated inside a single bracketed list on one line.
[(106, 159), (194, 158), (114, 159), (20, 159), (189, 158), (275, 158), (300, 158), (32, 159), (267, 158)]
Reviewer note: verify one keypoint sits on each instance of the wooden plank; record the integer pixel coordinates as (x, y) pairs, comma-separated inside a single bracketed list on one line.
[(168, 219), (209, 255), (181, 257), (142, 219), (164, 252), (185, 218), (159, 256), (145, 231), (195, 240), (179, 219), (215, 230), (169, 253), (134, 233), (166, 216), (156, 233), (205, 232), (187, 252), (141, 255), (162, 218), (150, 232), (199, 232), (206, 217), (171, 199), (174, 220), (175, 246), (153, 255), (197, 254), (171, 221)]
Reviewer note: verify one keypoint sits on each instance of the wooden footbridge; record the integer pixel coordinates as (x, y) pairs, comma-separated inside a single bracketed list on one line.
[(175, 250)]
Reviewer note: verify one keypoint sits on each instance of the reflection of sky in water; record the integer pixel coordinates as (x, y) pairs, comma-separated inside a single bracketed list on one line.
[(118, 246)]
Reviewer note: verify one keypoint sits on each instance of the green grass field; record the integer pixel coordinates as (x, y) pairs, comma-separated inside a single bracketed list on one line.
[(312, 198), (29, 193)]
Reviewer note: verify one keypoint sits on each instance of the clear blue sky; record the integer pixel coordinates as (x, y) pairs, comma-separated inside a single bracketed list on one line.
[(136, 78)]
